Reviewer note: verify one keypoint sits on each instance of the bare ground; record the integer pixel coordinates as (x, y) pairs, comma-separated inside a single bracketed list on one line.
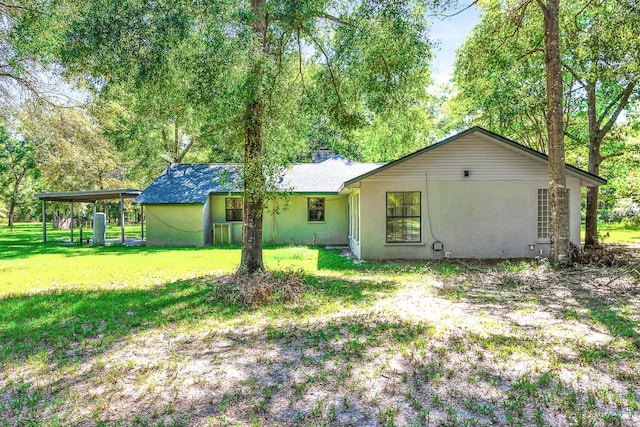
[(512, 344)]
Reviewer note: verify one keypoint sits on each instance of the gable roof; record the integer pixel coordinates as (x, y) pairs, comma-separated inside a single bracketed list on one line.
[(590, 178), (192, 183)]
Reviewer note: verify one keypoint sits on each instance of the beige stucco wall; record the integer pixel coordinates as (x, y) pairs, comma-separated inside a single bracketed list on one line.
[(174, 225), (290, 226), (492, 213), (473, 219)]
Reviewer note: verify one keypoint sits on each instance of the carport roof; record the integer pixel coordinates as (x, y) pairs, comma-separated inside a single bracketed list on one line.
[(88, 196)]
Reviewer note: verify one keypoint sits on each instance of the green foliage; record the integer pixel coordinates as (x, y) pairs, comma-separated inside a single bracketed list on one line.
[(17, 172)]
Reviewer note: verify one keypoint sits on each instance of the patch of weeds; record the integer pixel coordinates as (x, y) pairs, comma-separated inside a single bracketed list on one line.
[(453, 294), (526, 386), (513, 267), (432, 372), (449, 270), (318, 409), (570, 314), (612, 420), (594, 354), (387, 416)]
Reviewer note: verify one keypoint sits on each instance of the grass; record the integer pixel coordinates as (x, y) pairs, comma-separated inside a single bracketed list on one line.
[(27, 265), (617, 233), (139, 336)]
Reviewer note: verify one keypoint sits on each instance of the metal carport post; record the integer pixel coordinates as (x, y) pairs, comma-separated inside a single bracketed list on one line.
[(90, 196)]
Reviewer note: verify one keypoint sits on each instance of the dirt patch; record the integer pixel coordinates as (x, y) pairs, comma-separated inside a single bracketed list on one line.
[(485, 344)]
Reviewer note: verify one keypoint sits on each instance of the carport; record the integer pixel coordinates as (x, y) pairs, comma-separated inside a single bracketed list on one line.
[(90, 196)]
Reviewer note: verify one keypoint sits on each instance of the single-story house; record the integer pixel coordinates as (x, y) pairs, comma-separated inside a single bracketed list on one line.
[(473, 195)]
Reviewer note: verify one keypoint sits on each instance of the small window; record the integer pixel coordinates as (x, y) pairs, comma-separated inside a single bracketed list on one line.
[(233, 208), (403, 217), (543, 213), (315, 209)]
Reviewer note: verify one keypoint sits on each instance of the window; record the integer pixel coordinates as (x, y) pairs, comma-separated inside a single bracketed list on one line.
[(233, 208), (543, 213), (403, 217), (315, 209)]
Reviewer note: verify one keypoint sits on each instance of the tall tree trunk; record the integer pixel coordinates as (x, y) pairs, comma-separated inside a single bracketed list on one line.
[(558, 200), (595, 141), (14, 197), (254, 180)]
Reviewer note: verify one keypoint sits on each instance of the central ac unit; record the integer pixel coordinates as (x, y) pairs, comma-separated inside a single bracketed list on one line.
[(222, 233)]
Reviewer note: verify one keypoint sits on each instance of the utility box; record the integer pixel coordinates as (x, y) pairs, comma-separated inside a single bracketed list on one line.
[(99, 228)]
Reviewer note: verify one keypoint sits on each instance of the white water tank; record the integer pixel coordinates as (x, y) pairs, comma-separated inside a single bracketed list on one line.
[(99, 228)]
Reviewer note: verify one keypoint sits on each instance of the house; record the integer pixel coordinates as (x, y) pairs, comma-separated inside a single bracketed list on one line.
[(473, 195)]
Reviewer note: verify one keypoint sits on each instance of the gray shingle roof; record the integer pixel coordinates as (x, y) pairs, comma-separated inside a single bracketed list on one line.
[(324, 177), (192, 183)]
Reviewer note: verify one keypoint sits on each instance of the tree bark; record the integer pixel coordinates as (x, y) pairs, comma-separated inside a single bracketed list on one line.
[(14, 197), (558, 200), (254, 179), (595, 142), (597, 132)]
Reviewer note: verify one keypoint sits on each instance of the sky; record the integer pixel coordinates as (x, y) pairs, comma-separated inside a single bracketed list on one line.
[(450, 34)]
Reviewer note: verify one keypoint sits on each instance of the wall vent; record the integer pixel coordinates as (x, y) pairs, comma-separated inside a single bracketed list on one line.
[(222, 233)]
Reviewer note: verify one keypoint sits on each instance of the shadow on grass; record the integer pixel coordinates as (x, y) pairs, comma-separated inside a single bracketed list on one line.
[(71, 324), (360, 368)]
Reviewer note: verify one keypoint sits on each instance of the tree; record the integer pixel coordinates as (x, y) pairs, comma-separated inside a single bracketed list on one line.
[(256, 67), (500, 76), (16, 164), (70, 151), (558, 193)]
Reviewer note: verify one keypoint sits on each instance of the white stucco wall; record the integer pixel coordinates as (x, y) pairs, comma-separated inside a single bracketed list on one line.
[(492, 213)]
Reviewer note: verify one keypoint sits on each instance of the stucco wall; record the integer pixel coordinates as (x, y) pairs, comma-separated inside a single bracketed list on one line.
[(290, 226), (473, 219), (174, 225), (492, 213)]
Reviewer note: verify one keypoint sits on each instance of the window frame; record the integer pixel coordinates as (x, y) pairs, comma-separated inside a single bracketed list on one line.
[(543, 221), (227, 210), (316, 209), (391, 218)]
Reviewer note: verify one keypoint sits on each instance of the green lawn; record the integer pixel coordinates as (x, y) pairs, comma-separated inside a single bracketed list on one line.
[(134, 336), (27, 265), (617, 233)]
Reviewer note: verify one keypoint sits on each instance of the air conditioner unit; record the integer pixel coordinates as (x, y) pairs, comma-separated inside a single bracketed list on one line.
[(222, 233)]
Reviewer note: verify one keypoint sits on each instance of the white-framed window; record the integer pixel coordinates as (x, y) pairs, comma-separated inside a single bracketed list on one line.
[(543, 213), (403, 217)]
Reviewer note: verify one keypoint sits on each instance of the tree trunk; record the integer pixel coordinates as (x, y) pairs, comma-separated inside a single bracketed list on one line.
[(558, 200), (595, 141), (254, 180), (14, 197)]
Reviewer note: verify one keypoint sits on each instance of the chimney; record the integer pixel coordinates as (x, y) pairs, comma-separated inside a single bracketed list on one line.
[(322, 154)]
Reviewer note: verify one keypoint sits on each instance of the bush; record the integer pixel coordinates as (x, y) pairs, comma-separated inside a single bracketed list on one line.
[(626, 210)]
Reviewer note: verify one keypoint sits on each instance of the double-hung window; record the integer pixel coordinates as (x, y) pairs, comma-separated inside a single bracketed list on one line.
[(233, 208), (315, 209), (403, 217)]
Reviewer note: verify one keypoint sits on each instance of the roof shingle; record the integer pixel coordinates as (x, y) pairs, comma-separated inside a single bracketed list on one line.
[(192, 183)]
